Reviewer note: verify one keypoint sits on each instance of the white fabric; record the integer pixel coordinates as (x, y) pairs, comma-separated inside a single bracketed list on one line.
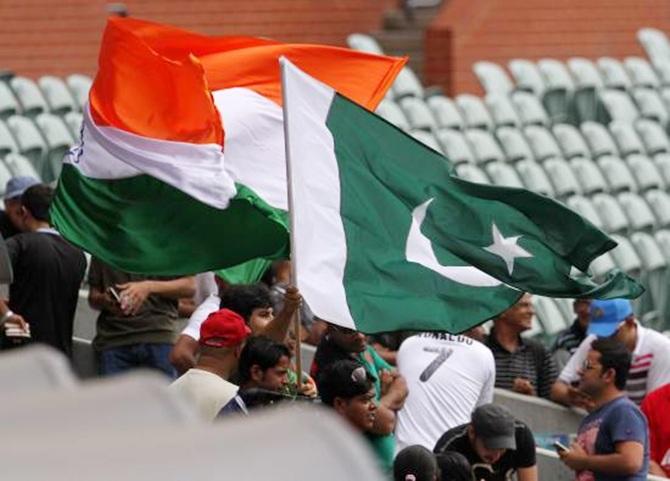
[(195, 169), (463, 380), (209, 305), (205, 286), (318, 241), (208, 392)]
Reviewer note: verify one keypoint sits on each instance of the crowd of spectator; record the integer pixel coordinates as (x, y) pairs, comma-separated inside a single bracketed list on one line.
[(423, 401)]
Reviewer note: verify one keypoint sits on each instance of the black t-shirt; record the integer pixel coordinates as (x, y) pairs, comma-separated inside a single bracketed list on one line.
[(47, 275), (456, 439), (7, 229)]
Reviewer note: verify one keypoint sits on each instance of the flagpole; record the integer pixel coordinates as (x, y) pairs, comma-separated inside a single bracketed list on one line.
[(291, 213)]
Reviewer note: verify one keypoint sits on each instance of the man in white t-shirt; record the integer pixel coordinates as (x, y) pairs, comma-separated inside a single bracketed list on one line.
[(447, 376), (649, 370), (222, 336)]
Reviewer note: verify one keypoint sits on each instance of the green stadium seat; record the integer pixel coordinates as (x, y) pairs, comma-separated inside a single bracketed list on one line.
[(659, 202), (653, 136), (650, 105), (455, 146), (79, 85), (8, 104), (7, 141), (571, 141), (484, 146), (59, 140), (474, 112), (514, 144), (472, 173), (563, 178), (503, 174), (29, 95), (599, 140), (618, 175), (418, 114), (619, 105), (589, 176), (502, 111), (626, 138), (625, 257), (647, 175), (390, 111), (446, 112), (364, 43), (493, 78), (534, 177), (19, 165), (407, 84), (426, 138), (527, 76), (662, 162), (30, 141), (57, 95), (530, 109), (585, 73), (549, 315), (584, 207), (611, 213), (641, 73), (640, 217), (542, 143), (613, 73)]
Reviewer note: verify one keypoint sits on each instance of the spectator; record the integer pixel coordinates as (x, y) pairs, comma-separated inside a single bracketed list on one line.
[(454, 467), (447, 376), (387, 344), (522, 365), (47, 274), (415, 463), (340, 343), (568, 340), (138, 328), (495, 444), (281, 275), (650, 368), (263, 367), (612, 439), (656, 407), (10, 217), (222, 336)]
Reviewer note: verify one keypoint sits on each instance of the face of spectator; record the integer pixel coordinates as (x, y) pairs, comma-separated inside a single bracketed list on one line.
[(591, 375), (13, 210), (260, 317), (348, 339), (520, 315), (274, 378), (627, 333), (487, 455), (581, 309), (360, 410)]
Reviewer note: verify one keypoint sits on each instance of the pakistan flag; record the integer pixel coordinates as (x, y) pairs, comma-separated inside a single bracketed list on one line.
[(385, 238)]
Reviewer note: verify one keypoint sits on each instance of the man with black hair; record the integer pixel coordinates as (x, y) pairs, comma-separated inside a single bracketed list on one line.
[(262, 374), (47, 274), (612, 441), (415, 463)]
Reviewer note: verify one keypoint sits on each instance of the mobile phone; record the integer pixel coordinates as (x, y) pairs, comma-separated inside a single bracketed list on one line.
[(115, 294), (559, 447)]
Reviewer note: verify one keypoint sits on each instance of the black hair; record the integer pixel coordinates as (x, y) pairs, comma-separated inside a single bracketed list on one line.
[(37, 199), (416, 461), (260, 351), (244, 298), (338, 380), (614, 355), (454, 467)]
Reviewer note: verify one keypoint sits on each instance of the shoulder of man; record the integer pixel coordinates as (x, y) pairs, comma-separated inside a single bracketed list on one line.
[(451, 437)]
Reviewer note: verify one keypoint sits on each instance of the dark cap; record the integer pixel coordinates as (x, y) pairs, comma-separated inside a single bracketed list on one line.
[(494, 425), (345, 379), (415, 463)]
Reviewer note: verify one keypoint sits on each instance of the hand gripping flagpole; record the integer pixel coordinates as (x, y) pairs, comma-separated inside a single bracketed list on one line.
[(293, 280)]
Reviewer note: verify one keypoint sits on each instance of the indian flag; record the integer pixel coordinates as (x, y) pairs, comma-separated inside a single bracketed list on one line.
[(180, 166), (384, 238)]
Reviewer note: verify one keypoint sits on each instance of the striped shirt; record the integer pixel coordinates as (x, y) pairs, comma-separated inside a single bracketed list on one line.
[(570, 338), (530, 361)]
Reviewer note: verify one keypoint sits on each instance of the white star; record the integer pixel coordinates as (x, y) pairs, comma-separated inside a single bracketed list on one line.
[(506, 248)]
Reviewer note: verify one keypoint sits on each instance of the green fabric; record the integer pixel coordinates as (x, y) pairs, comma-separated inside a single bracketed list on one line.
[(248, 272), (142, 225), (386, 174)]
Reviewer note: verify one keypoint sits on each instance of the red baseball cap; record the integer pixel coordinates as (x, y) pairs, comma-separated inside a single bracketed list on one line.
[(223, 328)]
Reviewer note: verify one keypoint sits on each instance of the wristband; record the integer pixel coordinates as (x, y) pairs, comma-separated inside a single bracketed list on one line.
[(6, 316)]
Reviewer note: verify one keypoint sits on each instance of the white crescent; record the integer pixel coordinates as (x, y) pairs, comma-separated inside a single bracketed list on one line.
[(420, 250)]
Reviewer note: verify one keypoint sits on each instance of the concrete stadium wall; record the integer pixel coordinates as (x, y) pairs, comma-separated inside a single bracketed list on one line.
[(44, 37), (466, 31)]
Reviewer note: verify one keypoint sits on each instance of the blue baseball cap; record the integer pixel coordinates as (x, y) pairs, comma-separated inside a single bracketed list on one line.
[(16, 186), (607, 315)]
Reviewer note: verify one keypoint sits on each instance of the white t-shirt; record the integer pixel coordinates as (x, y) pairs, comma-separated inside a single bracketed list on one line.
[(208, 392), (447, 376), (205, 286), (209, 305), (649, 370)]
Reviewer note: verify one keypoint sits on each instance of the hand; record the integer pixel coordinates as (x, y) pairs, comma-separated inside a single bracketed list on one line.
[(386, 379), (292, 299), (308, 387), (133, 295), (19, 321), (575, 457), (111, 305), (579, 399), (523, 386)]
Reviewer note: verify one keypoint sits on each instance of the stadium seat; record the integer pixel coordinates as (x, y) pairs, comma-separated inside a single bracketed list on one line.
[(542, 143), (618, 175), (653, 136), (407, 84), (386, 109), (474, 112), (647, 175), (625, 257), (549, 315), (503, 174), (626, 138), (659, 202), (59, 140), (8, 103), (79, 85), (502, 111), (527, 76), (571, 141), (650, 105), (648, 251), (663, 70), (427, 138), (484, 146), (613, 73), (472, 173), (585, 73), (7, 141), (30, 142), (455, 146), (364, 43), (589, 176), (619, 105), (73, 121), (662, 237), (640, 216), (584, 207), (534, 177), (613, 217), (5, 175), (514, 144), (602, 265), (662, 162), (531, 111), (493, 78), (665, 98), (20, 165), (418, 114), (598, 139), (641, 74), (555, 74), (655, 43), (445, 112), (57, 95), (564, 180), (29, 95)]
